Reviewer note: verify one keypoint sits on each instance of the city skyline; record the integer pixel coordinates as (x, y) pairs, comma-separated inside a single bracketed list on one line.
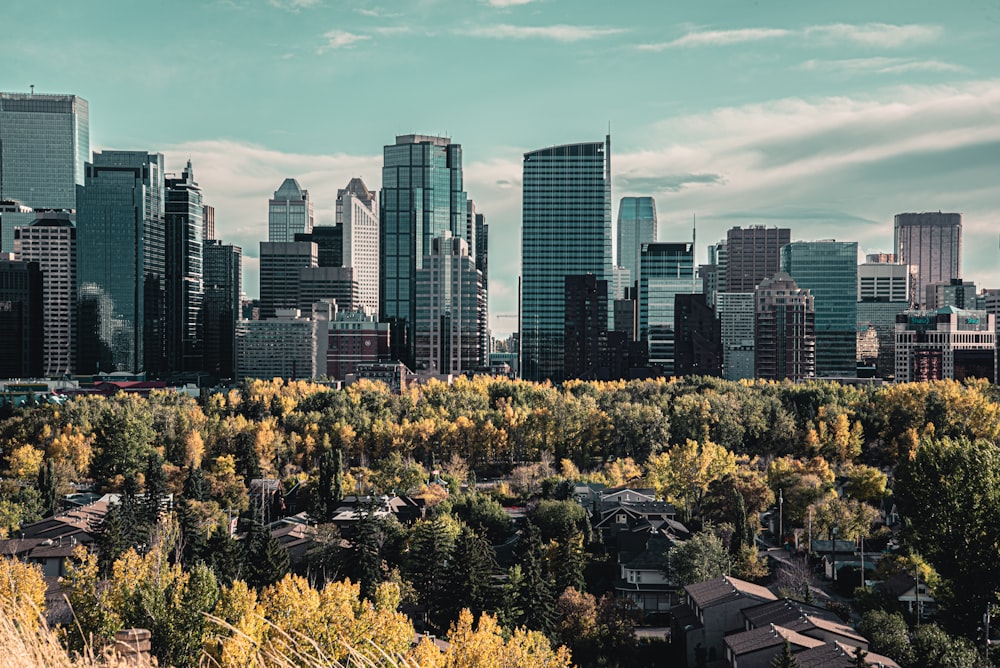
[(826, 120)]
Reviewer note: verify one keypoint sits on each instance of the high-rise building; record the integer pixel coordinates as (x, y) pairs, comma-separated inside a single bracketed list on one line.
[(208, 222), (282, 347), (13, 214), (883, 292), (449, 304), (565, 230), (665, 271), (422, 197), (51, 242), (636, 226), (223, 287), (289, 212), (947, 343), (956, 292), (883, 281), (120, 239), (329, 240), (317, 284), (21, 320), (932, 244), (752, 255), (280, 263), (697, 339), (785, 330), (357, 217), (737, 312), (184, 216), (44, 143), (829, 271), (482, 264), (585, 343)]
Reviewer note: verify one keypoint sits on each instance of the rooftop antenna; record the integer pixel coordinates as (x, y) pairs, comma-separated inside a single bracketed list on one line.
[(694, 241), (32, 89)]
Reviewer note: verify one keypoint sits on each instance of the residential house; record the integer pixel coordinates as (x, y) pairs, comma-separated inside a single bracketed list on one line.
[(757, 648), (839, 655), (913, 596), (643, 574)]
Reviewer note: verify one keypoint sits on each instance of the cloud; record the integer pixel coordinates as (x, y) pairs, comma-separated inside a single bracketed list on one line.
[(293, 5), (340, 39), (667, 183), (508, 3), (884, 35), (392, 30), (717, 38), (879, 65), (559, 32)]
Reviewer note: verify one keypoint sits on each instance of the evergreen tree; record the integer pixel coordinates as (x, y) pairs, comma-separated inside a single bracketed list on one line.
[(470, 582), (196, 485), (194, 541), (431, 549), (266, 560), (741, 525), (47, 488), (330, 484), (536, 598), (122, 527), (156, 490), (859, 657), (225, 557), (785, 659), (568, 562), (366, 547)]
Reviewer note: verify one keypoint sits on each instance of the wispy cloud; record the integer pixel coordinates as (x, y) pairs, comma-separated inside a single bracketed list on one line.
[(340, 39), (883, 35), (558, 32), (879, 65), (508, 3), (717, 38), (293, 5), (376, 12), (392, 30)]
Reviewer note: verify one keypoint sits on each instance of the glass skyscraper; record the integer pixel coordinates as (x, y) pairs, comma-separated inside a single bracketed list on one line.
[(636, 226), (665, 271), (565, 231), (931, 243), (44, 143), (184, 288), (422, 197), (121, 263), (829, 270), (289, 212), (223, 286)]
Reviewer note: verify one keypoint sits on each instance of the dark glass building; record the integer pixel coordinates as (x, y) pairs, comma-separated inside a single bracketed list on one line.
[(636, 226), (121, 264), (585, 342), (785, 330), (422, 197), (329, 240), (931, 243), (697, 337), (184, 293), (565, 230), (223, 286), (21, 325), (753, 255)]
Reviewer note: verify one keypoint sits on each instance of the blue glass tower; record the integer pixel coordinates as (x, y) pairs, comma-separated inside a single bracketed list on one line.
[(422, 197), (121, 264), (636, 226), (565, 231), (184, 287), (665, 271), (829, 270)]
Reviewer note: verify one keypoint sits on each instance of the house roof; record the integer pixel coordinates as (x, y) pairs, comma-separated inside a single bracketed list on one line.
[(899, 584), (768, 636), (724, 589), (839, 655), (782, 612)]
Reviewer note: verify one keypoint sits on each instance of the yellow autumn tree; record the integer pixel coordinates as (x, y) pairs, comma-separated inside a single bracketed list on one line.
[(683, 473), (22, 591)]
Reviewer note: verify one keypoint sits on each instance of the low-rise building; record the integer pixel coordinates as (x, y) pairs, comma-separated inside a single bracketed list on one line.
[(949, 343)]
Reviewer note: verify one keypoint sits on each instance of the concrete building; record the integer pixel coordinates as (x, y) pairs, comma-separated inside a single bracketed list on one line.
[(280, 263), (949, 343), (785, 328), (316, 284), (884, 290), (585, 343), (736, 312), (753, 255), (289, 212), (354, 338), (51, 242), (956, 292), (283, 346), (932, 243), (357, 216)]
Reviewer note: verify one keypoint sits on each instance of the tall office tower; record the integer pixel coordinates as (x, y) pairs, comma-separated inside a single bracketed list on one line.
[(121, 264), (329, 240), (697, 338), (932, 243), (21, 320), (718, 255), (736, 312), (482, 264), (956, 292), (13, 214), (51, 242), (883, 293), (624, 315), (785, 325), (185, 292), (290, 211), (422, 197), (317, 284), (565, 230), (280, 263), (829, 271), (449, 304), (44, 143), (357, 218), (752, 255), (665, 271), (709, 275), (208, 222), (585, 342), (636, 226), (621, 279), (223, 285), (947, 343)]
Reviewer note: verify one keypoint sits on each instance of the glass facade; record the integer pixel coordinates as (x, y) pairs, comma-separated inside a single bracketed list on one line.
[(829, 271), (223, 286), (44, 144), (184, 228), (565, 231), (931, 243), (121, 264), (636, 226), (290, 212), (665, 271), (422, 197)]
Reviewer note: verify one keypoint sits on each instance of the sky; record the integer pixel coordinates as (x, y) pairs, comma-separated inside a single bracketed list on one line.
[(828, 118)]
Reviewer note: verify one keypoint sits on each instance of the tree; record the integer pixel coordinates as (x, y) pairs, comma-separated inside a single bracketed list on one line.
[(785, 658), (471, 575), (702, 557), (561, 520), (887, 634), (156, 489), (684, 472), (123, 438), (22, 591), (934, 648), (47, 488), (266, 559), (225, 556), (535, 597), (853, 518), (196, 484), (859, 657), (325, 555), (432, 545), (329, 485)]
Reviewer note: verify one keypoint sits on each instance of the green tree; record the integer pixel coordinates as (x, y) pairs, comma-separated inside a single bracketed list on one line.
[(226, 556), (470, 584), (560, 520), (325, 555), (266, 559), (702, 557), (536, 598), (887, 634), (567, 562), (123, 437), (432, 546), (329, 485), (155, 490), (47, 488), (196, 484), (934, 648), (785, 658), (481, 513)]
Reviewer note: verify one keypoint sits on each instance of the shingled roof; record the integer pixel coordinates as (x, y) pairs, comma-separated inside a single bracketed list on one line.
[(724, 589)]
